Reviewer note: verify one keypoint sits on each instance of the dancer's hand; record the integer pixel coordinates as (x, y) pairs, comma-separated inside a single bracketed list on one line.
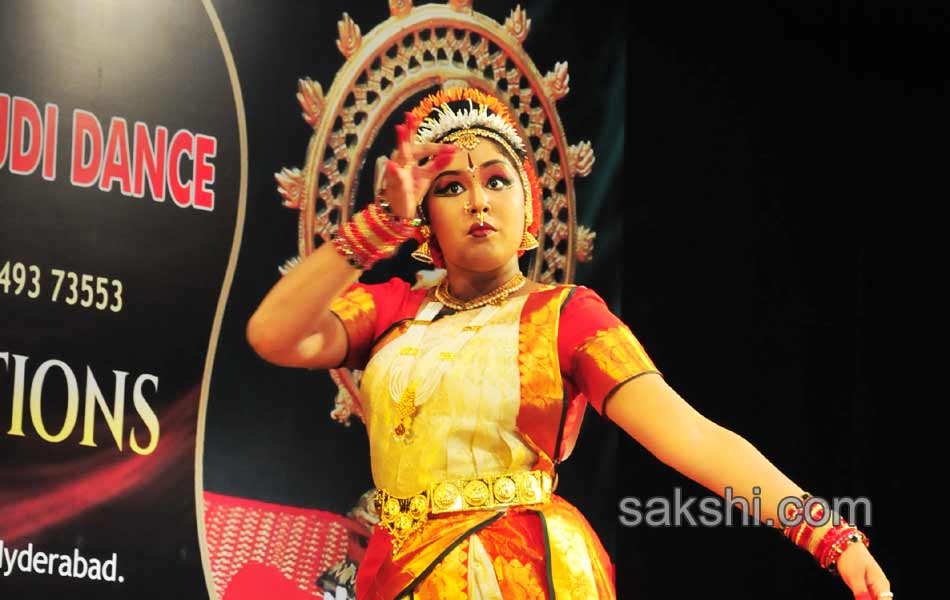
[(863, 575), (404, 182)]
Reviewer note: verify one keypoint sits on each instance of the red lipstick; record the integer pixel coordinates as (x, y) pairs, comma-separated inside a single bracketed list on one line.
[(480, 229)]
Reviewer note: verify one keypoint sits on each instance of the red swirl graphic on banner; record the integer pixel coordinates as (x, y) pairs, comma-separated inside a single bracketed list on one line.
[(35, 498)]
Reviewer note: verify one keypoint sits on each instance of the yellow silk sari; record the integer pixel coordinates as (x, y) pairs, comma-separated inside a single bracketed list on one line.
[(501, 406)]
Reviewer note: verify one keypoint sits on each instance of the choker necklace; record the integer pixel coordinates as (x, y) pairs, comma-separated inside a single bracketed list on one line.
[(496, 296)]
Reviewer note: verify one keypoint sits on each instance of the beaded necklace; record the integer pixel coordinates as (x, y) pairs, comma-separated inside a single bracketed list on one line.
[(496, 296)]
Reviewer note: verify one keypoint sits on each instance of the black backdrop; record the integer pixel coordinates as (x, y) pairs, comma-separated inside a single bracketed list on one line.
[(782, 260)]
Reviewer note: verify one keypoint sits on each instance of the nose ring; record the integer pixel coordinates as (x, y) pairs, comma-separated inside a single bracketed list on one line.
[(480, 215)]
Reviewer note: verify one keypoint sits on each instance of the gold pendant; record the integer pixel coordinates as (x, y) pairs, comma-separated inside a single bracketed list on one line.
[(405, 410)]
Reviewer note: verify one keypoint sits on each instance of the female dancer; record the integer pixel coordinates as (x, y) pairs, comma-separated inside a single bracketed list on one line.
[(474, 390)]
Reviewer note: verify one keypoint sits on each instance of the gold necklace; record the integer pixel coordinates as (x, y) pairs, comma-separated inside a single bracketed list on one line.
[(496, 296)]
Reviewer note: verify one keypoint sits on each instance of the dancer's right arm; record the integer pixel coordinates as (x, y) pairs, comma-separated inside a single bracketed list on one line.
[(292, 326)]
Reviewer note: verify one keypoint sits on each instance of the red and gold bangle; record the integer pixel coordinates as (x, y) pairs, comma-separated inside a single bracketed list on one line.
[(850, 536), (804, 539), (371, 235), (378, 228), (830, 537), (808, 531), (824, 536), (358, 242), (834, 543), (396, 219), (397, 226), (830, 541), (368, 237), (346, 250), (801, 532), (825, 542)]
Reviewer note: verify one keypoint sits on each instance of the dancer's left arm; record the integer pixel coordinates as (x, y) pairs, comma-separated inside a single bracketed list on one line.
[(655, 415)]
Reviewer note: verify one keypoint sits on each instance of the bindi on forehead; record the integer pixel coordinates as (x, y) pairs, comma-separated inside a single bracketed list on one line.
[(472, 168)]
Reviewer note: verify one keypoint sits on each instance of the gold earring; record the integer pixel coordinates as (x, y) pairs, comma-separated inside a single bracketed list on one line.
[(422, 253), (528, 241)]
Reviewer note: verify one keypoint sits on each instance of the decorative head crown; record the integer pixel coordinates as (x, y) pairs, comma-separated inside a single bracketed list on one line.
[(486, 112)]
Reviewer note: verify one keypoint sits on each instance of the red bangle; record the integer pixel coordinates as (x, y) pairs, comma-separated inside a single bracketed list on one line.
[(830, 560), (357, 240), (386, 229), (830, 536), (830, 541), (353, 238), (377, 227), (801, 533), (396, 219), (834, 540)]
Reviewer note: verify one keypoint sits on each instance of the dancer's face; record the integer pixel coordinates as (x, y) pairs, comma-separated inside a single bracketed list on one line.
[(482, 181)]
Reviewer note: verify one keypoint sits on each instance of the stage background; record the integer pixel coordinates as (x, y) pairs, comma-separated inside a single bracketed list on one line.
[(759, 198)]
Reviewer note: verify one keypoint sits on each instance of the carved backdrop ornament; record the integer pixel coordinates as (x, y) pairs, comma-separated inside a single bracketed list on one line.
[(416, 49)]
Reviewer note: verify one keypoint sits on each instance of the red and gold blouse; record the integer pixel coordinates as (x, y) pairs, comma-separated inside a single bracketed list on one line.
[(512, 400)]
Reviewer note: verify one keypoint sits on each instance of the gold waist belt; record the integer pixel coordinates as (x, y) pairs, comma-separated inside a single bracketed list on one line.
[(403, 515)]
